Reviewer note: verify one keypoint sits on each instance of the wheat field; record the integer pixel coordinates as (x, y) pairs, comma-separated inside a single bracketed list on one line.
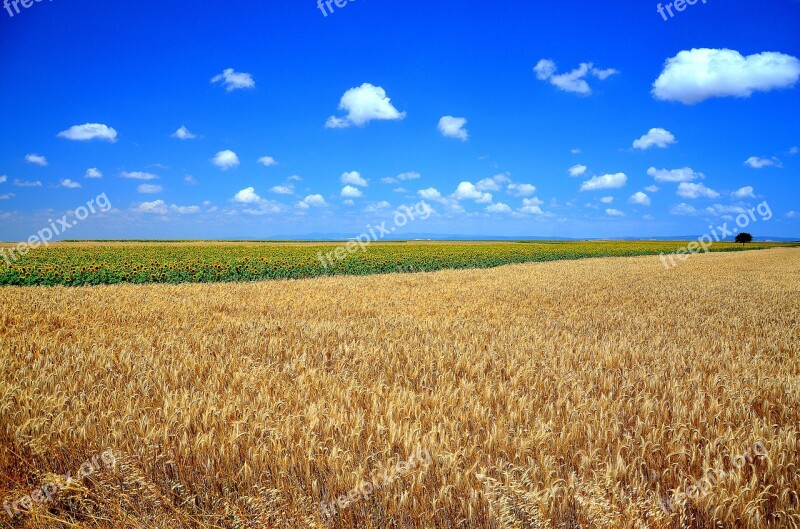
[(581, 394)]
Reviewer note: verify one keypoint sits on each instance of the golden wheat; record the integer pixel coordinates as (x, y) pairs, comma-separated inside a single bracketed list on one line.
[(553, 395)]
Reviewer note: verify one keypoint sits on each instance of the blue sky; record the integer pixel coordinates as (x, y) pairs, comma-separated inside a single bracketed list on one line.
[(481, 109)]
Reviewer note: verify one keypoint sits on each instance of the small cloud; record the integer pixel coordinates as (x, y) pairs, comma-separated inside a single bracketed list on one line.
[(189, 179), (652, 189), (267, 161), (150, 189), (532, 206), (607, 200), (183, 134), (789, 215), (577, 170), (295, 178), (521, 190), (685, 174), (575, 151), (93, 172), (283, 190), (69, 184), (468, 191), (573, 81), (225, 160), (409, 175), (399, 190), (157, 207), (138, 175), (493, 183), (6, 196), (429, 194), (3, 179), (312, 201), (233, 80), (453, 127), (793, 151), (378, 206), (655, 138), (351, 192), (614, 213), (247, 196), (744, 192), (88, 132), (364, 104), (693, 191), (498, 208), (354, 178), (640, 199), (759, 163), (36, 159), (185, 210), (27, 183), (607, 181)]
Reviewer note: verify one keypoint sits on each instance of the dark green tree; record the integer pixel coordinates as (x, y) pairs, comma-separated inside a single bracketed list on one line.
[(744, 238)]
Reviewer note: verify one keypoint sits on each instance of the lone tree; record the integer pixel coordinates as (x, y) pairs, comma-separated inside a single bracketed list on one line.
[(744, 238)]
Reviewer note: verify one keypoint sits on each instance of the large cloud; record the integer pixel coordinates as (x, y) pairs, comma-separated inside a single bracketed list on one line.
[(453, 127), (89, 131), (702, 73), (657, 137), (363, 104), (225, 160)]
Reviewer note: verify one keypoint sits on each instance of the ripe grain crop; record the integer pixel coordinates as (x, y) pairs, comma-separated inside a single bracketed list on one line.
[(571, 394)]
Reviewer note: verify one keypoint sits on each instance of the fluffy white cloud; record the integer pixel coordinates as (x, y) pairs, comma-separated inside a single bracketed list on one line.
[(759, 163), (183, 134), (151, 189), (351, 192), (283, 190), (607, 181), (614, 213), (430, 194), (640, 198), (408, 175), (36, 159), (744, 192), (247, 196), (468, 191), (225, 160), (89, 131), (378, 206), (652, 189), (719, 210), (69, 184), (607, 200), (685, 174), (695, 75), (363, 104), (577, 170), (493, 183), (573, 81), (157, 207), (313, 201), (184, 210), (453, 127), (353, 178), (531, 206), (267, 161), (499, 208), (138, 175), (93, 172), (690, 190), (521, 190), (233, 80), (657, 137), (683, 209)]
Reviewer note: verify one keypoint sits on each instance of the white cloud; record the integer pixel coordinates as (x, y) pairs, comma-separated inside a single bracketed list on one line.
[(312, 201), (789, 215), (468, 191), (399, 190), (639, 198), (378, 206), (577, 170), (683, 209), (531, 206), (408, 175), (652, 189), (614, 213), (247, 196), (353, 178), (295, 178), (744, 192), (607, 181), (233, 80), (27, 183), (267, 161), (793, 151), (351, 192), (499, 208), (690, 190), (6, 196), (657, 137), (138, 175), (607, 200), (150, 189), (573, 81), (522, 190), (183, 134), (93, 172), (685, 174), (157, 207), (719, 210), (696, 75), (36, 159), (493, 183), (364, 104), (225, 160), (189, 179), (89, 131), (453, 127), (430, 194), (3, 179), (69, 184), (759, 163), (184, 210), (283, 189)]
